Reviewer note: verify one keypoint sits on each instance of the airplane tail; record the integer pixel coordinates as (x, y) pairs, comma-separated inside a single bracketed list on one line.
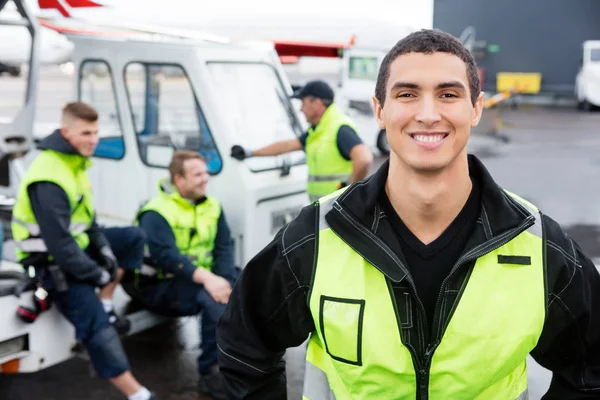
[(65, 6)]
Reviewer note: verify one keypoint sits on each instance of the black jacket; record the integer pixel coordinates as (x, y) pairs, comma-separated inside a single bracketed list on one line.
[(268, 309), (52, 211)]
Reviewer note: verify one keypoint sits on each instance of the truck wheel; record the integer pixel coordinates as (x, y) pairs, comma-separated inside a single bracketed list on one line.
[(12, 275), (14, 71), (382, 143)]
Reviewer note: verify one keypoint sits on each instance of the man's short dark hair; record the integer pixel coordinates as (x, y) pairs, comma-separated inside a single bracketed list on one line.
[(428, 41), (80, 110)]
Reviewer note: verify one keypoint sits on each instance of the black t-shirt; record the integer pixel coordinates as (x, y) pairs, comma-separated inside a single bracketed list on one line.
[(430, 264), (347, 138)]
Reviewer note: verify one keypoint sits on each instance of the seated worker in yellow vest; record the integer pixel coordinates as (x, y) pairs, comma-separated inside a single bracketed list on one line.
[(335, 154), (427, 280), (190, 245), (54, 224)]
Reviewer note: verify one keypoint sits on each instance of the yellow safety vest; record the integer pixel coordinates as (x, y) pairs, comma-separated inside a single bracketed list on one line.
[(327, 169), (69, 171), (356, 351), (194, 226)]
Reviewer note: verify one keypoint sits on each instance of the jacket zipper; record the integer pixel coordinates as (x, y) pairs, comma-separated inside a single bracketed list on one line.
[(421, 373), (473, 254)]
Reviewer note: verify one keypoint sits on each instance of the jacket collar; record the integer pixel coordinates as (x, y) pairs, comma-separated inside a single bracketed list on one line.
[(498, 212), (56, 142), (354, 217)]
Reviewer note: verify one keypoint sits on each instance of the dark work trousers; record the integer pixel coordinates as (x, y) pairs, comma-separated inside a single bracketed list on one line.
[(178, 297), (82, 307)]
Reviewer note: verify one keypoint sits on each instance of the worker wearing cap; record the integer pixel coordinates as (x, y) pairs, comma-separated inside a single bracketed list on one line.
[(335, 154)]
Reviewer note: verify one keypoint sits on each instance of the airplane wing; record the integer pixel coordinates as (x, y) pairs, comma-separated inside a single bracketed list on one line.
[(289, 51)]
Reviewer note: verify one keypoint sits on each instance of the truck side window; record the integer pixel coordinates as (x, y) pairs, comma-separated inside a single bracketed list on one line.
[(96, 87), (167, 115)]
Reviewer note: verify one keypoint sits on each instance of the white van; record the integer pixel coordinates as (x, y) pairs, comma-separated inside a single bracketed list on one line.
[(587, 83)]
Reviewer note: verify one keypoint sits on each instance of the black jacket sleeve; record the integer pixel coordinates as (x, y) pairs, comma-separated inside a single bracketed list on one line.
[(303, 138), (52, 211), (268, 313), (97, 238), (570, 342), (223, 252), (162, 246)]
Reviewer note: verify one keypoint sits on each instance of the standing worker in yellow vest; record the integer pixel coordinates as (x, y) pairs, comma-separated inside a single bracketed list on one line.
[(426, 281), (54, 224), (191, 249), (335, 154)]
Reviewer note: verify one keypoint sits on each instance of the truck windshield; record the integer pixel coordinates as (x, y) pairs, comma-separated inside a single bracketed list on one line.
[(257, 110), (595, 55)]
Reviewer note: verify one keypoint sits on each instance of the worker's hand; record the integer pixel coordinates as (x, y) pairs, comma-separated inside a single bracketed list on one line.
[(218, 287), (111, 265), (240, 153)]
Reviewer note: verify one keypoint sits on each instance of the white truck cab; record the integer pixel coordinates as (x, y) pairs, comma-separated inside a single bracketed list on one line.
[(587, 82), (360, 67), (156, 94)]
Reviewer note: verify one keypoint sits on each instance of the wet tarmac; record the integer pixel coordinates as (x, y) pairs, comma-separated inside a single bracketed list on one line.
[(552, 159)]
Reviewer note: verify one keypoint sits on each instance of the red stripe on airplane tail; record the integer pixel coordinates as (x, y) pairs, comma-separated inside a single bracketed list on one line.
[(83, 3), (49, 4)]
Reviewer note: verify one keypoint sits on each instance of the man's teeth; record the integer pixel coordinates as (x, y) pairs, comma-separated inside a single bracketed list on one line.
[(428, 138)]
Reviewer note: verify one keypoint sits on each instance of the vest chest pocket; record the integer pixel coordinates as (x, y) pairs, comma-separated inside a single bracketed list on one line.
[(341, 322)]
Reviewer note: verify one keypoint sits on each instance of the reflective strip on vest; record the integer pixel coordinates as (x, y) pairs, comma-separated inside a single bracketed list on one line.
[(523, 396), (34, 245), (327, 178), (316, 386)]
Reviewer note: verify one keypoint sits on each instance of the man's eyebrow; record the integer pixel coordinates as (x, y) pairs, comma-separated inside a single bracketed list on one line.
[(451, 85), (404, 85)]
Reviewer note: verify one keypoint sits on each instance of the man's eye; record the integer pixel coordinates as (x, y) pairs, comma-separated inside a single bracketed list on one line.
[(449, 95), (405, 95)]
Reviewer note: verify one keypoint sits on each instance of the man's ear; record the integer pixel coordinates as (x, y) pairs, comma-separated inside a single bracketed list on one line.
[(477, 110), (378, 111)]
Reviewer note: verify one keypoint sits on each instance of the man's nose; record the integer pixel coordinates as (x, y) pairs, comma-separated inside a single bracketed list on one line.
[(428, 113)]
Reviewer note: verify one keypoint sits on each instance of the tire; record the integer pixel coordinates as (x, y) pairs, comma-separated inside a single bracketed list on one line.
[(382, 143), (10, 275), (584, 105), (14, 71)]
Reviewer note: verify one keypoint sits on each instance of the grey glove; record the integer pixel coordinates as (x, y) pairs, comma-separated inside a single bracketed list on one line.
[(111, 265), (105, 279)]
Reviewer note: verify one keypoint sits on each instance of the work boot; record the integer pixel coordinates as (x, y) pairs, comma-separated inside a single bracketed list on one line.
[(122, 325), (211, 384)]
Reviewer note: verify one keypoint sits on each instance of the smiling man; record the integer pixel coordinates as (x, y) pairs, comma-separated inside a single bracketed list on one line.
[(426, 281), (191, 258)]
